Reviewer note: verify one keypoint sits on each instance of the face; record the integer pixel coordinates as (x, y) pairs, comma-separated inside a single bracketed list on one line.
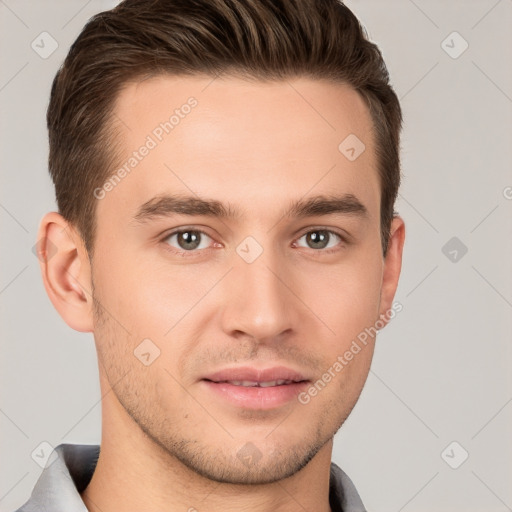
[(258, 279)]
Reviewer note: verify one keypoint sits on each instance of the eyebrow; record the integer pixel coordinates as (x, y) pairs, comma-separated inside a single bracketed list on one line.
[(167, 205)]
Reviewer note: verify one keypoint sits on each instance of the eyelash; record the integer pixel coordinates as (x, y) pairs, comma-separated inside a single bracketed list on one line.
[(196, 252)]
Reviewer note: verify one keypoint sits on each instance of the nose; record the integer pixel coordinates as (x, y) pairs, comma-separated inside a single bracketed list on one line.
[(259, 300)]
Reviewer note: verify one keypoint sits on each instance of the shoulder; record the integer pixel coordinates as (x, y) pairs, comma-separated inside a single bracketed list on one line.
[(343, 495)]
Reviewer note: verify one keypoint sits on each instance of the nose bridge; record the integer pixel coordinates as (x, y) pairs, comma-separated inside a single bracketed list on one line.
[(259, 303)]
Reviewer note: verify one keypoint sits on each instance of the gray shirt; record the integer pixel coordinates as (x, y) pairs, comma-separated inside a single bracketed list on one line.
[(66, 476)]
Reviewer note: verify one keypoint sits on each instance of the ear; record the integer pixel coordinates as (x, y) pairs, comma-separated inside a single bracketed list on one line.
[(66, 271), (392, 267)]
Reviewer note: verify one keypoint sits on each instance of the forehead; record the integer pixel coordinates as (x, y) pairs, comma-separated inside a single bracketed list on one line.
[(242, 141), (262, 108)]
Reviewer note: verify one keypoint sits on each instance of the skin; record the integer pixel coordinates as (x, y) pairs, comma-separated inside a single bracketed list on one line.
[(167, 443)]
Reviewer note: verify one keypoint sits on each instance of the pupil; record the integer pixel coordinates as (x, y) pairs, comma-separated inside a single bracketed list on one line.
[(190, 239), (319, 239)]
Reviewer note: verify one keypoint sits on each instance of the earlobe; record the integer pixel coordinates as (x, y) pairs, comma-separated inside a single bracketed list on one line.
[(65, 269), (392, 267)]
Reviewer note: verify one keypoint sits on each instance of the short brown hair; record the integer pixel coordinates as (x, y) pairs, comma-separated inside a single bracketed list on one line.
[(261, 39)]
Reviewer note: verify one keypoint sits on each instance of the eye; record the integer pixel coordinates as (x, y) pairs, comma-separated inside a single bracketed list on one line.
[(322, 239), (187, 240)]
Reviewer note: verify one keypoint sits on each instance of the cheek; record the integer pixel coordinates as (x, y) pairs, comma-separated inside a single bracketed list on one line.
[(145, 297), (346, 297)]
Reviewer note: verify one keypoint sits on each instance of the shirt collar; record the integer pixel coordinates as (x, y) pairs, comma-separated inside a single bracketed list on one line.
[(66, 476)]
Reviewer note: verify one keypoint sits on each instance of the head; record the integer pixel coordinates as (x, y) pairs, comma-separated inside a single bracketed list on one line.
[(232, 120)]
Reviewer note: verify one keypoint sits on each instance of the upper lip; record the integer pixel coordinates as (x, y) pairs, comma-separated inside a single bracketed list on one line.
[(248, 373)]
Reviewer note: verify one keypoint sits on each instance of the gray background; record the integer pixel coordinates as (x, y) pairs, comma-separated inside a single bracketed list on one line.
[(442, 368)]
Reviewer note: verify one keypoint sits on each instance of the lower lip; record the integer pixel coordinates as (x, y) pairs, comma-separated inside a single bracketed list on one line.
[(257, 397)]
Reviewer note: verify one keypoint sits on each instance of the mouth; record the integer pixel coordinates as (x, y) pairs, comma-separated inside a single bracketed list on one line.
[(252, 388)]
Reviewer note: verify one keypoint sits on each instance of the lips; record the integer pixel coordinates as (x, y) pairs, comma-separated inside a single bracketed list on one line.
[(255, 388), (257, 377)]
